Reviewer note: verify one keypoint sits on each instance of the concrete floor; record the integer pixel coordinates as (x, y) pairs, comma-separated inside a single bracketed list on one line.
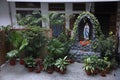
[(74, 72)]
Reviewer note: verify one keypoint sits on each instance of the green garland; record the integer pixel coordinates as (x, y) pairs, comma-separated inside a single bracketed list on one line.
[(93, 20)]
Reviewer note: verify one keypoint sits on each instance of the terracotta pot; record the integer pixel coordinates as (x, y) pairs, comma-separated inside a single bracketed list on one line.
[(103, 74), (57, 69), (95, 72), (38, 70), (88, 72), (71, 61), (38, 61), (30, 69), (62, 72), (22, 62), (50, 70), (12, 62), (41, 67), (107, 71)]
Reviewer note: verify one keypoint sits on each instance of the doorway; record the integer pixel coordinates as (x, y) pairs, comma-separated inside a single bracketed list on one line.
[(106, 13)]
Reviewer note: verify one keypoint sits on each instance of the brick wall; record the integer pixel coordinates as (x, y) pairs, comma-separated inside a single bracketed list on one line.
[(2, 48), (118, 24)]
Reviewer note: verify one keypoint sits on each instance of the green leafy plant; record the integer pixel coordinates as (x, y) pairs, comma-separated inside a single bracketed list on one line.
[(19, 43), (94, 64), (103, 63), (15, 38), (89, 68), (90, 63), (30, 62), (57, 18), (12, 54), (33, 19), (37, 41), (63, 38), (48, 62), (56, 48), (105, 45), (61, 63)]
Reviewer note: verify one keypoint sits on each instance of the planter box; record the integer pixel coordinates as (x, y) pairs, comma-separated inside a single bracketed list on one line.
[(47, 32)]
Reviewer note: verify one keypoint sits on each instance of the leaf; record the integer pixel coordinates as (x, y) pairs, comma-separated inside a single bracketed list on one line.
[(12, 54), (24, 43)]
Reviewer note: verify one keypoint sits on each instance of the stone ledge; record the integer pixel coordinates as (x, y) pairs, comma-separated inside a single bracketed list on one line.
[(79, 55)]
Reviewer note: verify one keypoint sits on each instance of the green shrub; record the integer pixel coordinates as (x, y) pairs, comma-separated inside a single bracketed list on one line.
[(37, 41)]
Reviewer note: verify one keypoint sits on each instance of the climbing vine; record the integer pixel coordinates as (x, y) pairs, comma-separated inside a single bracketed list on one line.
[(93, 20)]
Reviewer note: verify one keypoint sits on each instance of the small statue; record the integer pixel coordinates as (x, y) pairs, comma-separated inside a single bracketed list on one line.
[(86, 32)]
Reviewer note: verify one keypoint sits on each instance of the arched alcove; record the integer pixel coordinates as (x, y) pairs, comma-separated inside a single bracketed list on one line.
[(79, 24)]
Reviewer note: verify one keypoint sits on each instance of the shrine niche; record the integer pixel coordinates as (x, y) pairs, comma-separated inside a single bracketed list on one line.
[(86, 30), (79, 25)]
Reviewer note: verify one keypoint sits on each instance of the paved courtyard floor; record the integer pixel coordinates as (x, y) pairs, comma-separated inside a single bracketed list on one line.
[(74, 72)]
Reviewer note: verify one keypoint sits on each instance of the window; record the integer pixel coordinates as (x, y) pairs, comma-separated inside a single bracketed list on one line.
[(78, 6), (27, 8), (27, 5), (23, 13), (56, 6)]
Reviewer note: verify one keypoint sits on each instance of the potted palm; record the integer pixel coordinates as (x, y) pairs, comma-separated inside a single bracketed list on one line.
[(91, 65), (89, 69), (30, 63), (61, 63), (104, 66)]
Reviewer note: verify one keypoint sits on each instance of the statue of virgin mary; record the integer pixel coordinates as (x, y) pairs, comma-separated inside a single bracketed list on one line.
[(86, 32)]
